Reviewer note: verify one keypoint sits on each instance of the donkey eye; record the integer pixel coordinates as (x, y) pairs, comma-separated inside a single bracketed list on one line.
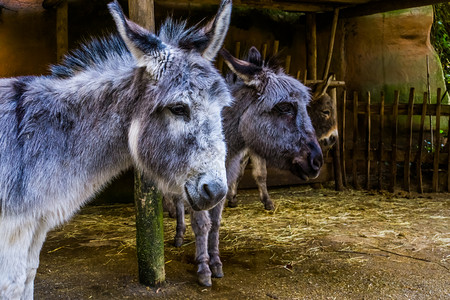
[(179, 110), (327, 113), (285, 108)]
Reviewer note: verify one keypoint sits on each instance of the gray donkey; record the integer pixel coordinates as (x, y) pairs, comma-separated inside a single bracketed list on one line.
[(154, 102), (322, 112), (270, 118)]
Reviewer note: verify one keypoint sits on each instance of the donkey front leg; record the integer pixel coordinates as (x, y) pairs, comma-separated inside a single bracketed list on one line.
[(213, 241), (232, 188), (33, 258), (201, 225), (259, 172), (181, 225), (16, 235)]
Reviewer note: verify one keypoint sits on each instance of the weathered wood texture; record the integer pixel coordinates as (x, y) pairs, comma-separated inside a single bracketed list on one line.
[(62, 36), (149, 232), (402, 142), (148, 201), (350, 8)]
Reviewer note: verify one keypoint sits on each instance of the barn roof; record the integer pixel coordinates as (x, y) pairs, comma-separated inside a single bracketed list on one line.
[(348, 8)]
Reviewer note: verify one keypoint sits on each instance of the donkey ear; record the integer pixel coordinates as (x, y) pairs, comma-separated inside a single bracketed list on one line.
[(245, 70), (321, 88), (254, 56), (139, 41), (216, 30)]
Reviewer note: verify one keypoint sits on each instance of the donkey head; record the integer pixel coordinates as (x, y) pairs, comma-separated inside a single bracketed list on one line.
[(275, 122), (175, 133), (322, 111)]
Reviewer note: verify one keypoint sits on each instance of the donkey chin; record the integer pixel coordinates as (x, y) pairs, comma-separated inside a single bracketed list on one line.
[(307, 165), (204, 192)]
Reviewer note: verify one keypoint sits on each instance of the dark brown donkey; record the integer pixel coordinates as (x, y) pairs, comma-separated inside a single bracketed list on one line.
[(322, 111)]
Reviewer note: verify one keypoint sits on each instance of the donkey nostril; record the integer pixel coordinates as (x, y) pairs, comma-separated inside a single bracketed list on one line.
[(207, 191), (317, 162)]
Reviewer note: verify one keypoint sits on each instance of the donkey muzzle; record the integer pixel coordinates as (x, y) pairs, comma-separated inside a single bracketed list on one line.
[(307, 165), (205, 193)]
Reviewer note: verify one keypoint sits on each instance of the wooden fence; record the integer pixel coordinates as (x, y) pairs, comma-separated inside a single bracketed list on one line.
[(387, 146)]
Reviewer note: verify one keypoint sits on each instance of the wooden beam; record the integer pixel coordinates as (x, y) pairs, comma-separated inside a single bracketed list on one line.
[(62, 36), (311, 46), (374, 7), (300, 6)]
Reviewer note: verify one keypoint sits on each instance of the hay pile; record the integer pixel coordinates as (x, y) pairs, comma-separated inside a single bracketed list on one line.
[(313, 221)]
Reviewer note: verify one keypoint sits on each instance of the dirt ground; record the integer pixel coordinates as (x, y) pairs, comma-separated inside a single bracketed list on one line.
[(317, 244)]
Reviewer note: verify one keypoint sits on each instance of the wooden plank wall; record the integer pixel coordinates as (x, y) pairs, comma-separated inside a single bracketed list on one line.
[(391, 147)]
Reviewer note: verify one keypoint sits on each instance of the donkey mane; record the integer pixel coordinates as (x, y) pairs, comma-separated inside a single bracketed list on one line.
[(98, 51)]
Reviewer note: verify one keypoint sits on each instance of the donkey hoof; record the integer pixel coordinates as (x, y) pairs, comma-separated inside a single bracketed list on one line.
[(204, 279), (269, 206), (216, 271), (232, 203), (178, 241)]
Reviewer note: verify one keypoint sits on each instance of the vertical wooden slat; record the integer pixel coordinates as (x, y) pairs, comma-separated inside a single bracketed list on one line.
[(437, 143), (336, 149), (421, 142), (409, 124), (62, 36), (331, 43), (264, 51), (220, 64), (394, 142), (288, 64), (311, 45), (298, 75), (448, 155), (342, 136), (355, 141), (381, 144), (276, 44), (368, 133), (237, 49)]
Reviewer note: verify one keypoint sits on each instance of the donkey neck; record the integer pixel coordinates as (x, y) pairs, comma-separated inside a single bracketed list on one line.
[(232, 116)]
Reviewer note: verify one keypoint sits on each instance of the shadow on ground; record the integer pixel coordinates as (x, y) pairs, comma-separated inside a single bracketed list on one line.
[(317, 244)]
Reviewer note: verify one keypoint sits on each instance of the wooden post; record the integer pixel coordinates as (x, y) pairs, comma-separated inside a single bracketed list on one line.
[(311, 45), (237, 49), (276, 45), (437, 147), (149, 231), (264, 51), (394, 142), (368, 132), (381, 144), (336, 151), (342, 138), (148, 201), (143, 13), (448, 156), (409, 124), (355, 141), (62, 37), (331, 43), (287, 67), (420, 142)]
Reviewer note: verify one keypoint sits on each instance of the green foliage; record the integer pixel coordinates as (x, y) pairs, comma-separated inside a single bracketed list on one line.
[(440, 37)]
